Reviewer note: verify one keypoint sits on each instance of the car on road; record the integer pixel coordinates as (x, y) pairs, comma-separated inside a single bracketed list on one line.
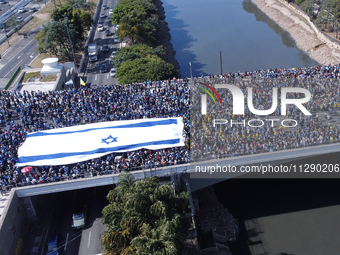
[(116, 40), (103, 68), (53, 245), (108, 32), (100, 27), (102, 15), (32, 9), (113, 72), (105, 7), (113, 54), (79, 217), (3, 2), (110, 11), (22, 10), (18, 19), (105, 48)]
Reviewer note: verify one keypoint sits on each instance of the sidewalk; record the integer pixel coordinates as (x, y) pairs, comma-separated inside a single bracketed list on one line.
[(3, 202)]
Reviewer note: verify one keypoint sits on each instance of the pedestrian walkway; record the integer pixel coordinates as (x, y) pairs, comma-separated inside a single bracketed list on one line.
[(3, 202)]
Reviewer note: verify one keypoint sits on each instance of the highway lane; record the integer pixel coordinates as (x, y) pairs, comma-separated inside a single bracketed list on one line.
[(85, 241), (17, 56), (94, 77), (16, 14)]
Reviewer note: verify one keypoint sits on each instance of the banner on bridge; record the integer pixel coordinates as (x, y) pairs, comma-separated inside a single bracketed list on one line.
[(79, 143)]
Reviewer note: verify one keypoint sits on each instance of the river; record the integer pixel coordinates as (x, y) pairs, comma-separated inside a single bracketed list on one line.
[(246, 38)]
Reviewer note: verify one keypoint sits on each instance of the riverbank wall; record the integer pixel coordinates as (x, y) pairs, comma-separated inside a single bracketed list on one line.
[(305, 34), (164, 37)]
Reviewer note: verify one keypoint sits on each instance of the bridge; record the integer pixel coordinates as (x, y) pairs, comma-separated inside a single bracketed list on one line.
[(19, 204)]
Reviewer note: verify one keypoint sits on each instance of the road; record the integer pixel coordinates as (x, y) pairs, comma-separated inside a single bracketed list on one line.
[(20, 54), (85, 241), (94, 77), (24, 15)]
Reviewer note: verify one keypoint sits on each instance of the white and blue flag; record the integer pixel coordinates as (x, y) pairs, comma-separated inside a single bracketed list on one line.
[(79, 143)]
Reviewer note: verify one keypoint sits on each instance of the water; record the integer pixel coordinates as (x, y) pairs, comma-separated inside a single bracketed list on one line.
[(246, 37), (255, 198)]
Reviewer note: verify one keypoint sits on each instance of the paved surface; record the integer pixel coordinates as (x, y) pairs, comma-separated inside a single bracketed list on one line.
[(93, 77), (310, 232), (20, 54)]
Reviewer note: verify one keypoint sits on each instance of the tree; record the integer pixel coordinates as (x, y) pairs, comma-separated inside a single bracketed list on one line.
[(63, 11), (120, 11), (54, 40), (81, 20), (88, 6), (12, 22), (86, 20), (144, 217), (143, 69)]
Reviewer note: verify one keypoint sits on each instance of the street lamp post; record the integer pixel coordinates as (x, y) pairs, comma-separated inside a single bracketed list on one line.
[(190, 72), (69, 37)]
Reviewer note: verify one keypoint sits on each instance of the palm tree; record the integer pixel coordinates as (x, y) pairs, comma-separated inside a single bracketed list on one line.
[(144, 217)]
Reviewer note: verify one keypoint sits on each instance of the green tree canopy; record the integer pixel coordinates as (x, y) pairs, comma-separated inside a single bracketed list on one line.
[(54, 40), (63, 11), (143, 69), (88, 6), (144, 217), (86, 20)]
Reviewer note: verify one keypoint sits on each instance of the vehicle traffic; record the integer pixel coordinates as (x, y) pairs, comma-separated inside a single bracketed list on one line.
[(105, 48), (100, 27), (93, 52), (113, 72), (21, 10), (79, 217), (53, 244), (103, 68)]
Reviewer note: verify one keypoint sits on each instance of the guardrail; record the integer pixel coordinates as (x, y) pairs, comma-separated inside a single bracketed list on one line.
[(4, 38)]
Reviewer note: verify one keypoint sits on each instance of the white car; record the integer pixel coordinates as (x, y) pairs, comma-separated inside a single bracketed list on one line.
[(113, 54), (18, 19), (100, 27), (110, 11), (79, 217), (102, 15), (21, 10), (113, 72)]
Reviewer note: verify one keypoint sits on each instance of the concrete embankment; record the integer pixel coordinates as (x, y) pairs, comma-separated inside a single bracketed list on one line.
[(300, 30), (164, 37)]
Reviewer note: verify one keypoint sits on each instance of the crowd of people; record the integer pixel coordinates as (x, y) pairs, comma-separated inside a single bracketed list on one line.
[(226, 140), (23, 112)]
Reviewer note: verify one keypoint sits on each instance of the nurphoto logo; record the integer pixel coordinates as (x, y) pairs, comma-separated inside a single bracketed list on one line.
[(238, 99)]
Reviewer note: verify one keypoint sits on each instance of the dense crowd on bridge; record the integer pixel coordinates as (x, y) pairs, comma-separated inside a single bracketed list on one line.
[(23, 112), (241, 139), (47, 110)]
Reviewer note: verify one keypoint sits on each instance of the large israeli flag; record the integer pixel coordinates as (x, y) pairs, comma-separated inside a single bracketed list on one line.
[(79, 143)]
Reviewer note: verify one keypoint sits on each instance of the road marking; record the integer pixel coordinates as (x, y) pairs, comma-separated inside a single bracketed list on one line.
[(32, 56), (20, 55), (95, 78), (12, 68), (88, 243), (28, 53), (107, 76), (66, 242)]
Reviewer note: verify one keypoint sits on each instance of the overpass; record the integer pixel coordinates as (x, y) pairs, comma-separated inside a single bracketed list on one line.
[(20, 206)]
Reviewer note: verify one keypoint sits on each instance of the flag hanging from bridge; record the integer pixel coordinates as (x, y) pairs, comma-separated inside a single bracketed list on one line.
[(79, 143)]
